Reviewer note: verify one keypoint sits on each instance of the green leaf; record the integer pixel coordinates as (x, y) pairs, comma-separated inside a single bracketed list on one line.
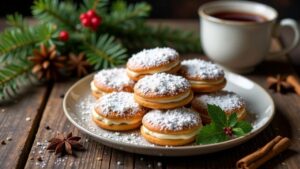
[(232, 120), (244, 125), (238, 132), (217, 115), (211, 134)]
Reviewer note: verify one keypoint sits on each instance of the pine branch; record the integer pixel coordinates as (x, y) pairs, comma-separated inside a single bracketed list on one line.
[(144, 36), (14, 79), (123, 15), (15, 43), (63, 14), (16, 21), (104, 52), (99, 5)]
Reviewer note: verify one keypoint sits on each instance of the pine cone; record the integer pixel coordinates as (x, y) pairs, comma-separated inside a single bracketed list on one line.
[(47, 63)]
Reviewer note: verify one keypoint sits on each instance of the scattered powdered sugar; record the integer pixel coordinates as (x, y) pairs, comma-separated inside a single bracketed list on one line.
[(174, 119), (162, 83), (224, 99), (80, 111), (197, 68), (119, 103), (152, 57), (115, 78)]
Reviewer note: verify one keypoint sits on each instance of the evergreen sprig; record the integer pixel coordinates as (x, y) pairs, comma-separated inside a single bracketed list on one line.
[(124, 15), (17, 43), (63, 14), (98, 5), (123, 28), (14, 79), (16, 21), (145, 36), (105, 52)]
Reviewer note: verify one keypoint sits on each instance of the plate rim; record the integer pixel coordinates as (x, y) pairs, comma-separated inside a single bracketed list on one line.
[(235, 141)]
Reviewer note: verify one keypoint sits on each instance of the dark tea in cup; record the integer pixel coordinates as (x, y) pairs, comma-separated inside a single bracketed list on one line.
[(239, 16)]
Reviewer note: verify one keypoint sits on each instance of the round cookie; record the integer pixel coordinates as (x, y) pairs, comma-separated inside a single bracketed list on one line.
[(229, 102), (111, 80), (152, 61), (163, 91), (204, 76), (172, 127), (118, 111)]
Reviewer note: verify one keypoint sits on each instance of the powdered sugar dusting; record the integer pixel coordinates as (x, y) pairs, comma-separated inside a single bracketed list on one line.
[(121, 103), (115, 78), (153, 57), (175, 119), (162, 83), (224, 99), (80, 106), (197, 68)]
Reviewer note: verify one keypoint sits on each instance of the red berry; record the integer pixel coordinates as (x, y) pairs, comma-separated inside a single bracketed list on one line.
[(82, 16), (91, 13), (228, 131), (64, 36), (95, 21), (86, 22)]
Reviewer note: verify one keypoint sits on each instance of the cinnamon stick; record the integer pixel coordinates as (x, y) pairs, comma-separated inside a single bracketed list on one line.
[(295, 82), (262, 155)]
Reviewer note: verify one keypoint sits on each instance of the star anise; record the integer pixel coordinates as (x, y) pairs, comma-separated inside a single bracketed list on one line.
[(278, 84), (47, 63), (62, 145), (78, 63)]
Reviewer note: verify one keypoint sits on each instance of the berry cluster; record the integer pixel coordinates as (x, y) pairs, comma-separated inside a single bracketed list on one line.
[(228, 131), (90, 19)]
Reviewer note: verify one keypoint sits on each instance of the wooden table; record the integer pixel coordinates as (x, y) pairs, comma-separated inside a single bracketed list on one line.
[(26, 119)]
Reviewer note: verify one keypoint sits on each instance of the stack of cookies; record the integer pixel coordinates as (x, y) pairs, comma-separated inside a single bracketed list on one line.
[(163, 96)]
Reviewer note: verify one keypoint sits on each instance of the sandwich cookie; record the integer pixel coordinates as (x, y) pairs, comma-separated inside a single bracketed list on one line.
[(111, 80), (171, 127), (152, 61), (204, 76), (163, 91), (118, 111), (229, 102)]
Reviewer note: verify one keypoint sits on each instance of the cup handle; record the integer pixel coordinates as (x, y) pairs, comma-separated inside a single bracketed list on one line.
[(288, 23)]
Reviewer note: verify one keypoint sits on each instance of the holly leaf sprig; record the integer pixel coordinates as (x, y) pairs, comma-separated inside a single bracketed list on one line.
[(222, 127)]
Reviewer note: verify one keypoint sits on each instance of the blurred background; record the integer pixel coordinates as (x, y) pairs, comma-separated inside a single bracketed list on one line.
[(184, 9), (180, 9)]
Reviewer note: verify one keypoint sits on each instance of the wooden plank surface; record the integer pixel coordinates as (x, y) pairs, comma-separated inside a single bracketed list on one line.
[(284, 123), (19, 121), (14, 154)]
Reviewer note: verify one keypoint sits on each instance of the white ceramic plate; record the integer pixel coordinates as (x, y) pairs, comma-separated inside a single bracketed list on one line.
[(78, 102)]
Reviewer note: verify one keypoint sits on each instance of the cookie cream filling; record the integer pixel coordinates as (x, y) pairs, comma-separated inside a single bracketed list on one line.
[(113, 122), (195, 83), (170, 136), (95, 89), (166, 100), (135, 74)]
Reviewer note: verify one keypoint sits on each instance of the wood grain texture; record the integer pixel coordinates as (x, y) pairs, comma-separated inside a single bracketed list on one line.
[(286, 123), (13, 124)]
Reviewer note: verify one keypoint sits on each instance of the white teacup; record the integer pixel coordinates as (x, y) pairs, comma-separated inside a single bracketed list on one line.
[(241, 45)]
